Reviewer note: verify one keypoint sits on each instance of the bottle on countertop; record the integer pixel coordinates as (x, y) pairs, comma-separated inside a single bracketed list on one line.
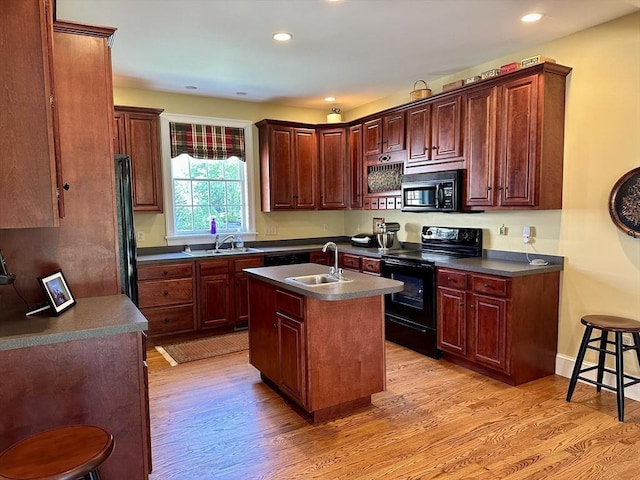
[(213, 226), (239, 240)]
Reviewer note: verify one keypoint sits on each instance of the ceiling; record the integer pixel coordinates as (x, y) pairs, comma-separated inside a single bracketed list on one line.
[(355, 50)]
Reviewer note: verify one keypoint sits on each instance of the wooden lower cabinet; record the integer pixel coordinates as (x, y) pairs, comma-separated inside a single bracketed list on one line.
[(504, 327), (326, 364), (359, 263), (194, 296), (166, 297)]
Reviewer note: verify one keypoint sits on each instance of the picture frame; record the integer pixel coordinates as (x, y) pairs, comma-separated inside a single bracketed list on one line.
[(57, 291), (377, 225), (624, 200)]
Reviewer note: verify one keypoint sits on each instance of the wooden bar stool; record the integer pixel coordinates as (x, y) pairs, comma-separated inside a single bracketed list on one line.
[(66, 453), (606, 324)]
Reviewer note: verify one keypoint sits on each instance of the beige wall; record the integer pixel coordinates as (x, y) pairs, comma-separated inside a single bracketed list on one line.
[(602, 142)]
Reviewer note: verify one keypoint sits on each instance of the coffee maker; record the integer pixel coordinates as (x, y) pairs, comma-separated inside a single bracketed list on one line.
[(387, 239)]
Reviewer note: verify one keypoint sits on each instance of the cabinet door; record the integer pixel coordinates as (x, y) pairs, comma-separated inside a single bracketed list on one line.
[(263, 329), (489, 325), (418, 135), (518, 150), (356, 166), (393, 133), (452, 321), (349, 262), (281, 167), (305, 167), (322, 258), (446, 139), (292, 358), (334, 168), (214, 301), (241, 288), (143, 147), (28, 179), (372, 137), (480, 146)]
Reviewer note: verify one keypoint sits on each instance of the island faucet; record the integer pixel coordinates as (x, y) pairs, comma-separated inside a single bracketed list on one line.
[(233, 241), (334, 271)]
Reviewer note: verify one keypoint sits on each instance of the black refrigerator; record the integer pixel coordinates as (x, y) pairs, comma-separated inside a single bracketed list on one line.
[(126, 231)]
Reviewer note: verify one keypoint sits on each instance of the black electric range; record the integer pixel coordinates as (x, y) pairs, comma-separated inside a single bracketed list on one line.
[(410, 315)]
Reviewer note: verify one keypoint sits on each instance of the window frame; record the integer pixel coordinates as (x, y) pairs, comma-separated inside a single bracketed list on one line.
[(165, 148)]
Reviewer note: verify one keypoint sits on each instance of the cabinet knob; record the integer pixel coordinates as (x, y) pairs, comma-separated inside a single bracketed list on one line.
[(165, 293), (165, 273), (449, 279), (275, 325), (472, 306), (486, 285), (66, 187), (461, 304), (167, 320), (434, 148), (499, 188), (489, 189)]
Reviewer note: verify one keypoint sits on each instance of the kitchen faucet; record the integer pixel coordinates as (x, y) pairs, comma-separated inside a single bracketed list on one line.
[(334, 271), (233, 241)]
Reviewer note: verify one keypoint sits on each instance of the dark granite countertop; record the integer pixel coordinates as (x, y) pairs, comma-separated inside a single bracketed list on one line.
[(494, 262), (89, 318), (361, 284)]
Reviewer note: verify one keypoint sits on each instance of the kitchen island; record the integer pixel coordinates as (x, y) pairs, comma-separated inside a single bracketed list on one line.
[(320, 346), (85, 366)]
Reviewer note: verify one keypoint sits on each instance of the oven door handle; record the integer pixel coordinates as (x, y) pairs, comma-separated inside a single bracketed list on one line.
[(400, 263), (406, 323)]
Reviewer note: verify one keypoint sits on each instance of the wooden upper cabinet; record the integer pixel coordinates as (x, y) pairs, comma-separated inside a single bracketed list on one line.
[(384, 135), (434, 135), (288, 166), (333, 161), (29, 161), (514, 134), (356, 166), (305, 167), (137, 135)]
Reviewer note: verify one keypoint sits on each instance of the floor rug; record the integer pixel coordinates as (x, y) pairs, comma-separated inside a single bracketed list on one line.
[(204, 348)]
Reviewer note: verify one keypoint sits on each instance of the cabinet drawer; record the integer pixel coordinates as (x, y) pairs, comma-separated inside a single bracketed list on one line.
[(452, 279), (248, 263), (165, 271), (169, 320), (287, 302), (213, 267), (167, 292), (371, 265), (351, 262), (490, 285)]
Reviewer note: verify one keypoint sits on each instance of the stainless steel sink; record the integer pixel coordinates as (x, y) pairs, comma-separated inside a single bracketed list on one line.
[(316, 280), (222, 252)]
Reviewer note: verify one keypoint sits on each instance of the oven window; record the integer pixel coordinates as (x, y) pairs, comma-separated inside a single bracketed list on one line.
[(413, 293), (420, 197)]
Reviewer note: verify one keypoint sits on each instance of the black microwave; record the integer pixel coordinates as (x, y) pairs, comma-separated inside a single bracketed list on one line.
[(432, 192)]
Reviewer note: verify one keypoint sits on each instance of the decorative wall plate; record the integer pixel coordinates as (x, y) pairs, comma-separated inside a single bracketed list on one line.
[(624, 203)]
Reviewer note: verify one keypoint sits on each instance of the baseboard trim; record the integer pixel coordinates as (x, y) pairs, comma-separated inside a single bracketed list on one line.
[(564, 367)]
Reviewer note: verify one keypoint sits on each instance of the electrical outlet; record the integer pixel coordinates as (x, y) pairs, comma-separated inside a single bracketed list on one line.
[(140, 236), (325, 227), (504, 230), (528, 232), (627, 339), (271, 230)]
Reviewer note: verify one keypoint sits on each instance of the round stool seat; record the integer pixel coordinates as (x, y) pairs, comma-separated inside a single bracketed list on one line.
[(611, 323), (65, 453)]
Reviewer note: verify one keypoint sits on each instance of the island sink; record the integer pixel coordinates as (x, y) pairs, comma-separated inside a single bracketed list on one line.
[(317, 279)]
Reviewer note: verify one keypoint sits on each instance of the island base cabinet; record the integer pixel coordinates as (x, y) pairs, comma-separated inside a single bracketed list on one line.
[(97, 381), (326, 357)]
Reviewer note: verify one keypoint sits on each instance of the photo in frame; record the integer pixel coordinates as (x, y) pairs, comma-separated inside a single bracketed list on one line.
[(58, 294)]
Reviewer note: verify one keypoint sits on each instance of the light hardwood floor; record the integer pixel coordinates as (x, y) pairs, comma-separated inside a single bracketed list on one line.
[(215, 419)]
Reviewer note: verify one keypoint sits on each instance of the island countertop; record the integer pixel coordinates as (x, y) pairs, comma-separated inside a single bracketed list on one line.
[(89, 318), (363, 285)]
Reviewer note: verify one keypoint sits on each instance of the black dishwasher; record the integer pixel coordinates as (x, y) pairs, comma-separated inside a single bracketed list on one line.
[(274, 259)]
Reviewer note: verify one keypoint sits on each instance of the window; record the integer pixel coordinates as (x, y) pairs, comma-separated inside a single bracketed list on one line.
[(207, 174)]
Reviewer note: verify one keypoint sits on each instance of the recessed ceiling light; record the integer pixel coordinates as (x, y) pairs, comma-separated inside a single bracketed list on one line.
[(531, 17), (282, 36), (329, 99), (191, 87)]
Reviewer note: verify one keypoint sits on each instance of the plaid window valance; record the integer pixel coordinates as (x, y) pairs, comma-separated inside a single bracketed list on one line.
[(206, 141)]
